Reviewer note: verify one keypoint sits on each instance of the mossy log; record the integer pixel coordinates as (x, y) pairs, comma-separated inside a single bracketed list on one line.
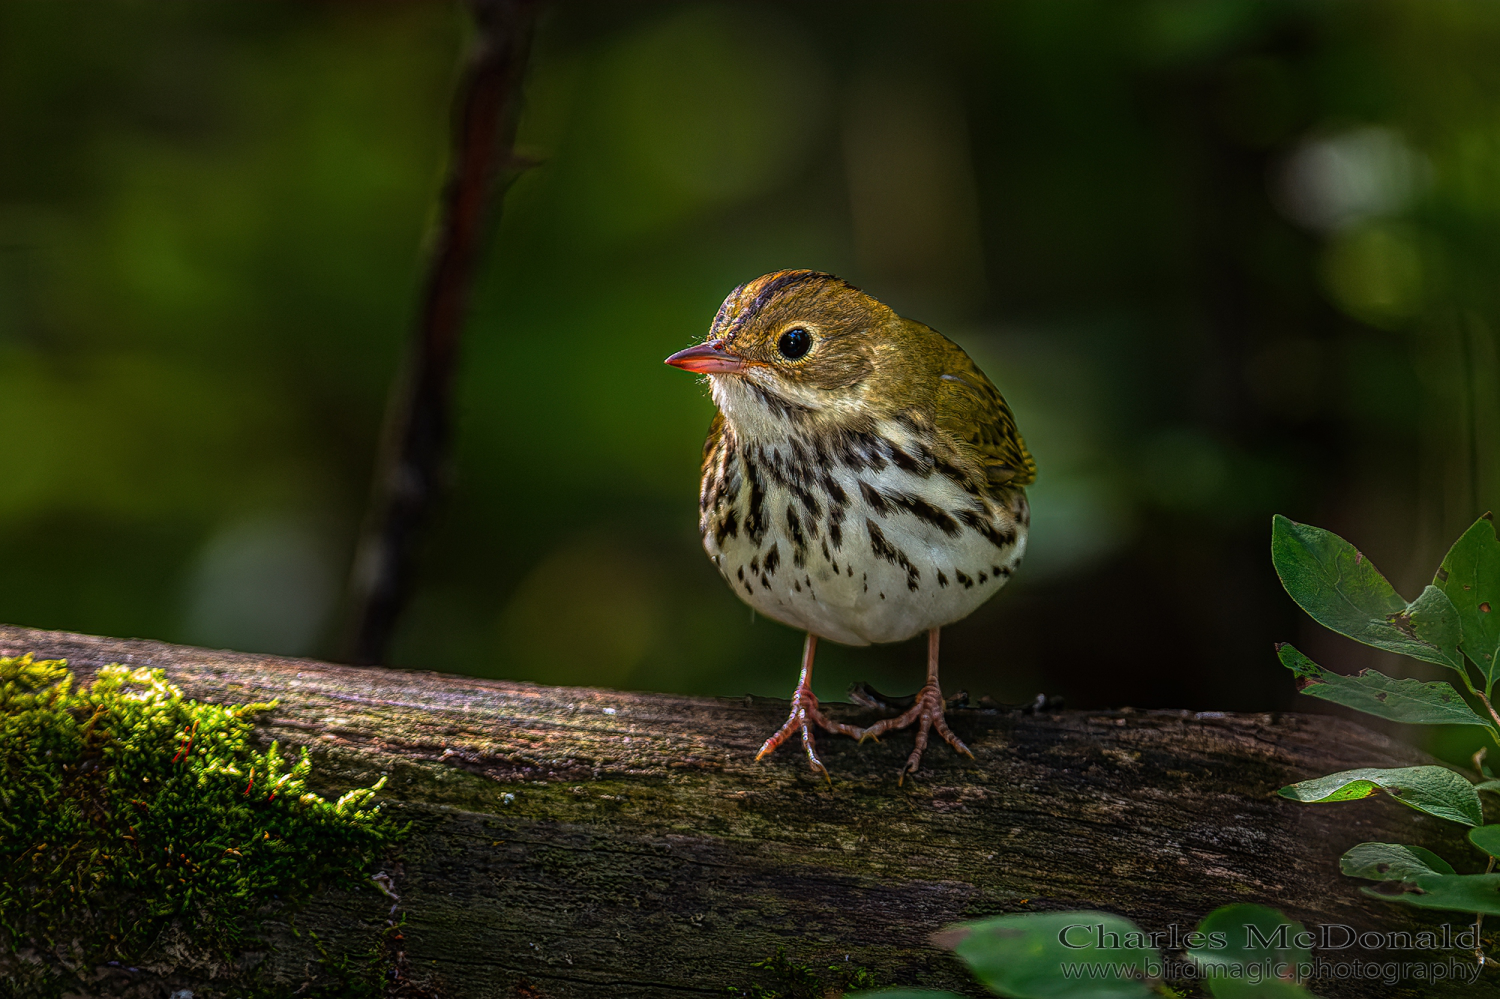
[(574, 842)]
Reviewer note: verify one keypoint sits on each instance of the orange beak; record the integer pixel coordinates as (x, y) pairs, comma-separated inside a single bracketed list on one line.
[(706, 359)]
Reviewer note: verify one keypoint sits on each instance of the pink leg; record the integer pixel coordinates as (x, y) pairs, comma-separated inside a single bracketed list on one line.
[(806, 713), (927, 712)]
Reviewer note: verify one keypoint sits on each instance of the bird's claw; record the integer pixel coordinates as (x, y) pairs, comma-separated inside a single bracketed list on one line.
[(804, 714), (928, 712)]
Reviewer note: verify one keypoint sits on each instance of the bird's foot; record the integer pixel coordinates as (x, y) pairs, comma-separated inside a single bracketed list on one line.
[(927, 711), (804, 715)]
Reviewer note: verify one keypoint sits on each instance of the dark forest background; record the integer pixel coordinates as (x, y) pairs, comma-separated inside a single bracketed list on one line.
[(1224, 259)]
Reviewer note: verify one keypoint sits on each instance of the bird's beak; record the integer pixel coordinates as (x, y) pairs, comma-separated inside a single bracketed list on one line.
[(707, 359)]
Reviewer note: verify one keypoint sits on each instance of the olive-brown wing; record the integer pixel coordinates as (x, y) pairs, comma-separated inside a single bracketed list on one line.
[(971, 409)]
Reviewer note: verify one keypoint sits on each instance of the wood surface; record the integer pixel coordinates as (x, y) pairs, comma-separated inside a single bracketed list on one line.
[(574, 842)]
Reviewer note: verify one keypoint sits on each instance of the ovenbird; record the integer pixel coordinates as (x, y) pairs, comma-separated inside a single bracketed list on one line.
[(863, 481)]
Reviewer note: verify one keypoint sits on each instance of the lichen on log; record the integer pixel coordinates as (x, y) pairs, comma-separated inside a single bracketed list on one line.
[(573, 842)]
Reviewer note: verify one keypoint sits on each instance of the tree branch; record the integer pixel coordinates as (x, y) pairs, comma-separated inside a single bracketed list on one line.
[(409, 470)]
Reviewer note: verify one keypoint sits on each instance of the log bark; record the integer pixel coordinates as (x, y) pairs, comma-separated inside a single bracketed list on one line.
[(574, 842)]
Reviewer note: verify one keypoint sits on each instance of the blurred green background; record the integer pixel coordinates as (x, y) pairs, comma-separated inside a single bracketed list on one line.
[(1224, 259)]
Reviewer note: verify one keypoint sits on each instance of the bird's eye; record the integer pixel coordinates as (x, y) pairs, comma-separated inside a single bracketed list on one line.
[(794, 343)]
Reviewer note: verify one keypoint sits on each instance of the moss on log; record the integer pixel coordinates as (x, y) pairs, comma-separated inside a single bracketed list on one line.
[(572, 842)]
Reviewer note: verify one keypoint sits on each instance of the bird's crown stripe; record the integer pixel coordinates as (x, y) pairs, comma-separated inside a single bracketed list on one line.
[(730, 320)]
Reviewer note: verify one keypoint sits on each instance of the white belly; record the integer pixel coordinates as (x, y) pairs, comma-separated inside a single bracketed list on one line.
[(904, 553)]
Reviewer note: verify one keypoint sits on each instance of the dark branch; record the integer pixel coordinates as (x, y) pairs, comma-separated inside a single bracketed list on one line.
[(414, 451)]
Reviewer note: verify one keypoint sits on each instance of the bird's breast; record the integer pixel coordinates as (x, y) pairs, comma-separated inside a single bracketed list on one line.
[(857, 538)]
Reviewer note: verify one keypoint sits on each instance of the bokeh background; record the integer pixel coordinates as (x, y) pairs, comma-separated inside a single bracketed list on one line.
[(1224, 259)]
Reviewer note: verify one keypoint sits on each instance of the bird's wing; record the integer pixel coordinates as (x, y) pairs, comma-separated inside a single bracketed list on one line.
[(972, 410)]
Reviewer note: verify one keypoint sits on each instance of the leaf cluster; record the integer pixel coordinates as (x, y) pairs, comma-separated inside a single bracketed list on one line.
[(1454, 622)]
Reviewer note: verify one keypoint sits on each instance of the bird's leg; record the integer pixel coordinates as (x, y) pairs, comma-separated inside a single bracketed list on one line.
[(927, 712), (806, 713)]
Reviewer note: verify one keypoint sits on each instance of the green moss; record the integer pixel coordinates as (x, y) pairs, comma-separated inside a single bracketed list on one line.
[(135, 824), (784, 979)]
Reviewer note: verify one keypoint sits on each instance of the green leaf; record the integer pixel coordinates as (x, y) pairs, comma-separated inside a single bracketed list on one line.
[(1392, 861), (1487, 838), (1410, 701), (1251, 952), (1434, 790), (1489, 785), (1450, 892), (1051, 955), (1333, 581), (1470, 577), (903, 994)]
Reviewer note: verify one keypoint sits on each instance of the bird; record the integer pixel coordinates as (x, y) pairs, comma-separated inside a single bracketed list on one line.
[(862, 481)]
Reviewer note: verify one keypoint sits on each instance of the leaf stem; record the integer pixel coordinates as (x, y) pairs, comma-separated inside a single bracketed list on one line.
[(1464, 673), (1489, 707), (1489, 681), (1495, 716), (1479, 925)]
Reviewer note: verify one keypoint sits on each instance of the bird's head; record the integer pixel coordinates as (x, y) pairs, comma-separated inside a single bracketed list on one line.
[(795, 345)]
